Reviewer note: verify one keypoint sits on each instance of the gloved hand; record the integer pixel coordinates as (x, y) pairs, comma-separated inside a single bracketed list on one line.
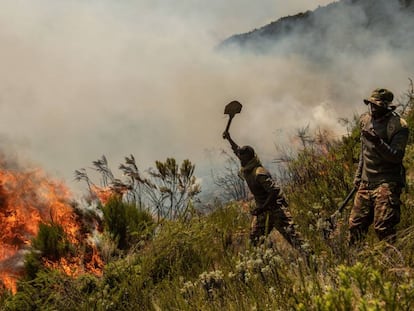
[(371, 136), (226, 135), (258, 210)]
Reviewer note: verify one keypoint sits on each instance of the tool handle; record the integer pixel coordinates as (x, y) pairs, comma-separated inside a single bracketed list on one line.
[(229, 122), (332, 219), (348, 197)]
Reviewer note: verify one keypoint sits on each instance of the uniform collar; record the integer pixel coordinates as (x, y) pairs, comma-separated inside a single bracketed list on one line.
[(254, 162)]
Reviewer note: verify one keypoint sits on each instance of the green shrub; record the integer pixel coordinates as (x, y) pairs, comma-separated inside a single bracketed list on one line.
[(124, 286), (206, 263), (361, 287), (178, 249), (51, 241), (32, 264), (49, 290), (126, 224)]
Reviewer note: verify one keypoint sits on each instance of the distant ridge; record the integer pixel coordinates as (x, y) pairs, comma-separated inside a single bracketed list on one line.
[(360, 25)]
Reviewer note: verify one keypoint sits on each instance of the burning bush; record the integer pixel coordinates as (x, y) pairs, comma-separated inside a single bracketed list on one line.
[(37, 216)]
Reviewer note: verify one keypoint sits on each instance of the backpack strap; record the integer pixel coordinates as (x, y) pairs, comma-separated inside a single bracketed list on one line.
[(365, 121), (395, 124)]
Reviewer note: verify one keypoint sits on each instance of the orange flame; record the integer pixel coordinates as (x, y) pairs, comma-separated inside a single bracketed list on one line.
[(103, 194), (26, 199)]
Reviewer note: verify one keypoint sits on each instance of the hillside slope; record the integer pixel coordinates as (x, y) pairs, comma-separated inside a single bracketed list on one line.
[(347, 25)]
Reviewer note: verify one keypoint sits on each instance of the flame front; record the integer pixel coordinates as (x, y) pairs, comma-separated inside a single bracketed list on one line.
[(28, 198), (103, 194)]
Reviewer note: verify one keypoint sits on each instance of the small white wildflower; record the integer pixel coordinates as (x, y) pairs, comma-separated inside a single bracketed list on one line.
[(277, 260), (203, 276), (321, 224), (262, 246), (247, 277), (214, 279), (241, 267), (218, 275), (305, 246), (188, 289), (250, 264), (268, 254), (258, 264), (266, 270), (316, 206)]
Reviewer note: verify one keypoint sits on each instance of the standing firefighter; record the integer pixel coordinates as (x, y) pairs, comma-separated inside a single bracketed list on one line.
[(270, 211), (380, 175)]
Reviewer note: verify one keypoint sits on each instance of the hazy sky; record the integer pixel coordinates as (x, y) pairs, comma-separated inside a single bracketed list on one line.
[(80, 79)]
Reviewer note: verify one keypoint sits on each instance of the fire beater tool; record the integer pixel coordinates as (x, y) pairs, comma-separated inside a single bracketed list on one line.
[(232, 109), (331, 220)]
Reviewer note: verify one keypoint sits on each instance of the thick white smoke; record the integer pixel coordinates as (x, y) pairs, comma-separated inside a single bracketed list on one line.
[(84, 78)]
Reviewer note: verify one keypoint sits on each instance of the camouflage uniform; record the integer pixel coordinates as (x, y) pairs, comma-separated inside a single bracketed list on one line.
[(380, 175), (271, 206)]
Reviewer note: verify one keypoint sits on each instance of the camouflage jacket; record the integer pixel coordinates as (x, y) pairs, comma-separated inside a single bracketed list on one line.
[(266, 192), (383, 162)]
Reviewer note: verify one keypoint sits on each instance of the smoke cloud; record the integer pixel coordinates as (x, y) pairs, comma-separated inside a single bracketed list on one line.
[(81, 79)]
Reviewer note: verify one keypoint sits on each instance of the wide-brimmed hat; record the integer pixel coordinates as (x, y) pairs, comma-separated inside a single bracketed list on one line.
[(382, 98)]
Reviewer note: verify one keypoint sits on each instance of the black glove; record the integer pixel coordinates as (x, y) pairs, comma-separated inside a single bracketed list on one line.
[(226, 135), (371, 136), (257, 211)]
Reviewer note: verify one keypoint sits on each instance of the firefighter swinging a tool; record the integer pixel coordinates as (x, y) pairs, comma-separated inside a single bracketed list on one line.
[(270, 211)]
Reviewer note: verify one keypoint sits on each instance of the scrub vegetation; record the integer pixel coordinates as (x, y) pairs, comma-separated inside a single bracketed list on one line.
[(171, 256)]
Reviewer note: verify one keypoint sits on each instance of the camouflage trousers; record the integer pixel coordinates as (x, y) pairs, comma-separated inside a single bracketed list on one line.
[(377, 204), (280, 219)]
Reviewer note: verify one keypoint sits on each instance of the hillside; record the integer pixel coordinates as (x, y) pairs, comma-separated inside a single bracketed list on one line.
[(347, 25), (137, 240), (205, 262)]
